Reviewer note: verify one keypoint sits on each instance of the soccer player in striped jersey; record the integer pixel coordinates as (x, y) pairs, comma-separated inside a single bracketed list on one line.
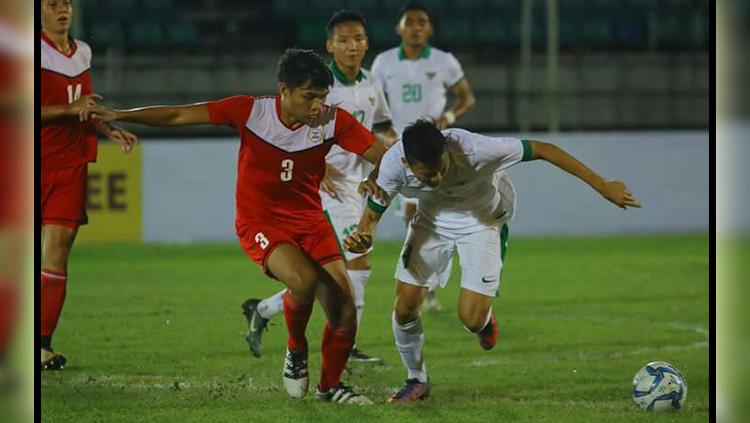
[(416, 78), (462, 208), (68, 145), (354, 90)]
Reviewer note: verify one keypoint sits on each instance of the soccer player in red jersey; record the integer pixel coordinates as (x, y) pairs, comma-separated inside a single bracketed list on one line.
[(280, 222), (67, 146)]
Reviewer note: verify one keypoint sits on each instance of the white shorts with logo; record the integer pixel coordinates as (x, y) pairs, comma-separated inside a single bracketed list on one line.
[(344, 213), (426, 258)]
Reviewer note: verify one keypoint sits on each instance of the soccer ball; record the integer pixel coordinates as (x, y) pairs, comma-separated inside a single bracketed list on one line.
[(659, 386)]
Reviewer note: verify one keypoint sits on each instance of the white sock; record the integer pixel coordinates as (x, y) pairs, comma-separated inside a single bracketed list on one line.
[(409, 341), (272, 306), (359, 283)]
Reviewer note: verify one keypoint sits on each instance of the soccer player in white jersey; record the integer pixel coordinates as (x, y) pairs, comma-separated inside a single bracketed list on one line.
[(354, 90), (452, 173), (416, 78)]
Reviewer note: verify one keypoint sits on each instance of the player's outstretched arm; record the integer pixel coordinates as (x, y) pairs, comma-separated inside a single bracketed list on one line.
[(190, 114), (375, 152), (615, 191), (361, 239)]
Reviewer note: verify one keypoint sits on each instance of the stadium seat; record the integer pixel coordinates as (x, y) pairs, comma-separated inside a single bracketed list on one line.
[(145, 34), (158, 8), (382, 32), (671, 31), (311, 33), (467, 5), (631, 31), (324, 8), (503, 4), (457, 30), (289, 10), (182, 33), (106, 34), (117, 9), (569, 29), (701, 35), (596, 32)]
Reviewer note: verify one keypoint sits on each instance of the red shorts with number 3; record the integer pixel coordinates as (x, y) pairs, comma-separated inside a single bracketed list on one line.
[(316, 240)]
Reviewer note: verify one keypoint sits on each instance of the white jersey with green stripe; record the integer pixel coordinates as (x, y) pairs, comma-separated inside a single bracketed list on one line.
[(416, 88), (365, 100), (467, 199)]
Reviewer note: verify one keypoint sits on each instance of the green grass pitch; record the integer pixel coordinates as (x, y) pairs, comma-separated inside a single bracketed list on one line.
[(155, 333)]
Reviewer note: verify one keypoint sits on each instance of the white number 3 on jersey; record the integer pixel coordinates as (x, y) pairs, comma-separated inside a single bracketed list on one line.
[(287, 165), (261, 239)]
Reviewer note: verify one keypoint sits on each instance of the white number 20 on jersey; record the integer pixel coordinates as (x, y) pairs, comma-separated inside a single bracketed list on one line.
[(287, 165)]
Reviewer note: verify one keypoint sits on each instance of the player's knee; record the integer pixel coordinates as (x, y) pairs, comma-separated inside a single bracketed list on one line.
[(56, 253), (359, 263), (406, 312), (473, 320), (302, 283)]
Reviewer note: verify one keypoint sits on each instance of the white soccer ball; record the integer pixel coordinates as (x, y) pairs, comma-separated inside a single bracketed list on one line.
[(659, 386)]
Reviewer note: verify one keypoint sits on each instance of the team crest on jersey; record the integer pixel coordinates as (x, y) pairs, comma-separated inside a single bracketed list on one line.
[(372, 100), (430, 75), (315, 135)]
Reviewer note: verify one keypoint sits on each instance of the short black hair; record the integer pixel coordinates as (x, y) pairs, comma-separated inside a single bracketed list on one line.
[(423, 143), (344, 15), (414, 6), (298, 67)]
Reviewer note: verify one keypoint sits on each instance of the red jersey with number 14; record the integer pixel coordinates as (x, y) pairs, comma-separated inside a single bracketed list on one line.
[(65, 78), (280, 168)]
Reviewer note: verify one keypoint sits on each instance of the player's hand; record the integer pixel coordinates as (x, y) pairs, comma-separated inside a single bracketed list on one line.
[(617, 193), (328, 184), (441, 123), (358, 242), (74, 108), (369, 187), (123, 137), (97, 111), (326, 114)]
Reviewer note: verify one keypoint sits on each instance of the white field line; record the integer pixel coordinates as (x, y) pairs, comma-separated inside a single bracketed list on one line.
[(704, 332)]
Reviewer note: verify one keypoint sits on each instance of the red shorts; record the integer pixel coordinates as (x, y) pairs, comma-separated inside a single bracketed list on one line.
[(317, 241), (64, 196)]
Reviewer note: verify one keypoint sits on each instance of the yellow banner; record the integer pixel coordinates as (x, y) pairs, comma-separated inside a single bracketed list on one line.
[(114, 196)]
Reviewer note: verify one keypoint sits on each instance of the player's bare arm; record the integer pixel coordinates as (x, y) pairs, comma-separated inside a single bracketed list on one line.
[(51, 114), (465, 101), (190, 114), (368, 185), (615, 191), (361, 239), (328, 184), (388, 135)]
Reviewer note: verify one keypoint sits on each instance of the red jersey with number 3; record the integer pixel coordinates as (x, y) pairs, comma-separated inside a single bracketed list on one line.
[(65, 78), (280, 168)]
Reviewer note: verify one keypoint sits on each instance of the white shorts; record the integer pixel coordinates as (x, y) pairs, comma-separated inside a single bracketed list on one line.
[(344, 213), (426, 259)]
